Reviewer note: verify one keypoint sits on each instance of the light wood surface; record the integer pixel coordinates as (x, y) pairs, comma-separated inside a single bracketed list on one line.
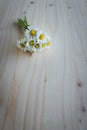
[(46, 91)]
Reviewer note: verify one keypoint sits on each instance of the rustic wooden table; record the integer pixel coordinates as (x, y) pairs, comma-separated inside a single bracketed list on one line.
[(46, 91)]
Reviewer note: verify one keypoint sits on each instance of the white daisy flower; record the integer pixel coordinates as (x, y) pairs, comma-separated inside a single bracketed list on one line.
[(30, 45), (37, 46), (48, 43), (21, 44), (31, 32), (43, 37)]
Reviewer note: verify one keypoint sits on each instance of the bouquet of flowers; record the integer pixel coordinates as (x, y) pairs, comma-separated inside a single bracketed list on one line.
[(35, 40)]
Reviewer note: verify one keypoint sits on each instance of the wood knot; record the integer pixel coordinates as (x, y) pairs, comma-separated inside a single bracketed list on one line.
[(50, 5), (64, 126), (80, 120), (83, 109), (45, 80), (79, 84), (69, 7), (32, 2)]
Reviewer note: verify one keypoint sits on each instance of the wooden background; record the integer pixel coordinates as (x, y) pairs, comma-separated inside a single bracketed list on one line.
[(46, 91)]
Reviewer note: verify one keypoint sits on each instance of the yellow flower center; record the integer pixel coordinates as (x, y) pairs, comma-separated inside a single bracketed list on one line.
[(37, 45), (43, 45), (22, 45), (33, 32), (31, 43), (42, 36), (48, 43)]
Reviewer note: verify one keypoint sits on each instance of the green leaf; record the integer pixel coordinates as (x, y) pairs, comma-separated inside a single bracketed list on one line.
[(23, 22), (25, 19)]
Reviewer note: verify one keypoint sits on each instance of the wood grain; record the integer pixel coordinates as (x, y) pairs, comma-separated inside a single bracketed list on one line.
[(46, 91)]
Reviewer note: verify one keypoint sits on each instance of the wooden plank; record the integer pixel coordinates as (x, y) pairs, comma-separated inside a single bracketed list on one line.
[(46, 91)]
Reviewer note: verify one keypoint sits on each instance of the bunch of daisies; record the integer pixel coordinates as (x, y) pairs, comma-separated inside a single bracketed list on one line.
[(35, 40)]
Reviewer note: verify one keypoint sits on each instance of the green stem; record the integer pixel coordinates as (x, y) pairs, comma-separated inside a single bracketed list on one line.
[(23, 23)]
